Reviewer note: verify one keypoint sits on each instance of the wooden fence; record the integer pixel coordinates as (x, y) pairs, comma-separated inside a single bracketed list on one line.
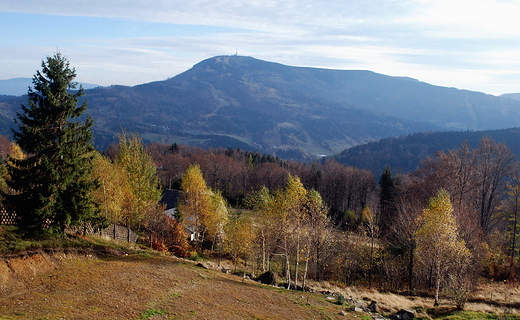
[(7, 218), (113, 232)]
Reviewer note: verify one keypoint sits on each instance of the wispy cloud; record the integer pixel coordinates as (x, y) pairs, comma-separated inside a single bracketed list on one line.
[(466, 44)]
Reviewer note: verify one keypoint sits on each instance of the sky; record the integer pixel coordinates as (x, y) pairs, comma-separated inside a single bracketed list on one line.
[(473, 45)]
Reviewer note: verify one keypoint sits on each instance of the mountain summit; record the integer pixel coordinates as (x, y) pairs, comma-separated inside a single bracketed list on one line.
[(294, 112)]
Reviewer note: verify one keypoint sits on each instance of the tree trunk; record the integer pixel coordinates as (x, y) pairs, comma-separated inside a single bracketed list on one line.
[(410, 269), (437, 287), (263, 253), (287, 265), (297, 261)]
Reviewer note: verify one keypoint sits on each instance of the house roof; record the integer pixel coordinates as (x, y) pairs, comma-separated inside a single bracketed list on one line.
[(170, 198)]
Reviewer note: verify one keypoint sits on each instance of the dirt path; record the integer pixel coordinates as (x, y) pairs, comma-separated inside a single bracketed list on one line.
[(136, 287)]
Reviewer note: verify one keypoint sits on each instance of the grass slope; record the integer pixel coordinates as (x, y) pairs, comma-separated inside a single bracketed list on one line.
[(89, 278), (142, 287)]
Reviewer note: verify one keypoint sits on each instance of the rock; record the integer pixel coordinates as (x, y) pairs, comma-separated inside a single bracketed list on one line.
[(356, 309), (267, 278), (342, 313), (201, 265), (372, 306), (224, 270), (403, 314)]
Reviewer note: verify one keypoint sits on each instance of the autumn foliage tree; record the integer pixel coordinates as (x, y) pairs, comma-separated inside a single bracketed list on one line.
[(238, 237), (440, 251), (202, 211), (133, 159), (290, 223), (115, 196)]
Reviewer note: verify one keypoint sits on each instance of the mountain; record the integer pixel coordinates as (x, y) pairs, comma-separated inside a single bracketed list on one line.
[(514, 96), (293, 112), (19, 86), (404, 154)]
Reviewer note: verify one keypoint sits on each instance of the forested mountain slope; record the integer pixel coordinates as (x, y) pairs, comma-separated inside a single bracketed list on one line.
[(405, 153), (293, 112)]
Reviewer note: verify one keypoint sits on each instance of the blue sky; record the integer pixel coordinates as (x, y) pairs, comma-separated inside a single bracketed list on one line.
[(472, 45)]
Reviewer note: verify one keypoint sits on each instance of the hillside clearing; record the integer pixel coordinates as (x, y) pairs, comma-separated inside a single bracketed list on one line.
[(142, 287)]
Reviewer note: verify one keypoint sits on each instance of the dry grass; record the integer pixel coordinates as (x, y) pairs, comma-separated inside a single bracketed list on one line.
[(497, 298), (142, 287)]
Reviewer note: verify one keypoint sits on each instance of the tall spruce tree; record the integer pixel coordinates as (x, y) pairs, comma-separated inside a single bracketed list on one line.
[(387, 198), (52, 187)]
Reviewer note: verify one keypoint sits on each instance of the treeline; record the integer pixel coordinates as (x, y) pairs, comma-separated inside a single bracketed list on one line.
[(440, 227), (237, 173), (404, 153)]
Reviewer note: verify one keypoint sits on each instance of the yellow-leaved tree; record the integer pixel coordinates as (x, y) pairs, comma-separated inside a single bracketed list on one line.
[(203, 211), (266, 226), (289, 206), (289, 223), (115, 197), (9, 150), (440, 249), (238, 237), (141, 171)]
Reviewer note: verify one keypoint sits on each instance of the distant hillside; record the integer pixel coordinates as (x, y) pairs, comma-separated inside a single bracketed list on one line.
[(514, 96), (19, 86), (405, 153), (295, 113)]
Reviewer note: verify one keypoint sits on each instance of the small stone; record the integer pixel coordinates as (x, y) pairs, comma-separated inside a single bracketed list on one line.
[(356, 309)]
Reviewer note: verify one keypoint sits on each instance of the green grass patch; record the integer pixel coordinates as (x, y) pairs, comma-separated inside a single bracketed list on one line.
[(13, 241), (150, 312)]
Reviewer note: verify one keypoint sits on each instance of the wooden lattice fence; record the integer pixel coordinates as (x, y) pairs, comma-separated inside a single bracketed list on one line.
[(113, 232), (7, 218)]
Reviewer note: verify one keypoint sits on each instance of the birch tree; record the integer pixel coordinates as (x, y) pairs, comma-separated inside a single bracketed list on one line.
[(238, 237), (439, 247), (133, 159), (203, 211), (115, 197)]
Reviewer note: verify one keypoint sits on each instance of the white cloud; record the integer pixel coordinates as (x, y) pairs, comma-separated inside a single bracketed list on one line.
[(465, 44)]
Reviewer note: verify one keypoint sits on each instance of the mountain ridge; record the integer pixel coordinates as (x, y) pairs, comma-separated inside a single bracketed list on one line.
[(405, 153), (292, 112)]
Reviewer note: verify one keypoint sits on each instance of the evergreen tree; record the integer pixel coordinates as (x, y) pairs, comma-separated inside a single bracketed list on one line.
[(53, 185), (387, 198)]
